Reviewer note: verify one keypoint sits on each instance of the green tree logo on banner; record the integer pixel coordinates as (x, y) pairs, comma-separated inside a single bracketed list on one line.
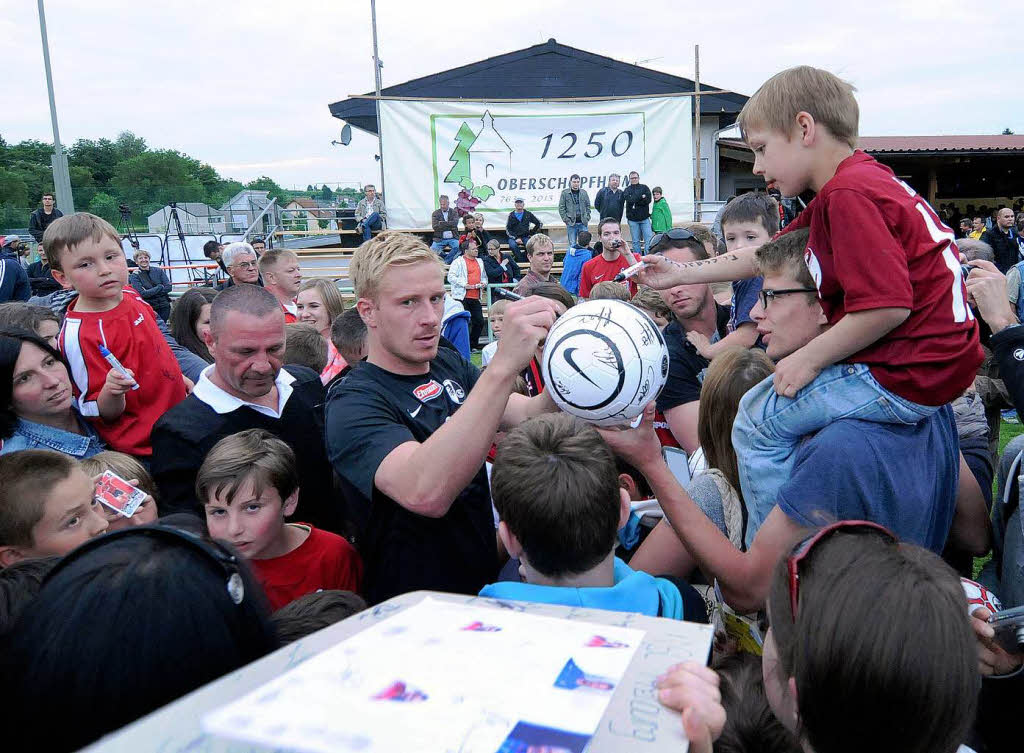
[(460, 156)]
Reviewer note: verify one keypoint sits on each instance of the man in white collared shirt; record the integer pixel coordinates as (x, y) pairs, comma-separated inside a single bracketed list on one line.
[(247, 387)]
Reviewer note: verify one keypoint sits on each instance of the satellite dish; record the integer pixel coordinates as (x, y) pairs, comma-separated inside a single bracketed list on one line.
[(346, 135)]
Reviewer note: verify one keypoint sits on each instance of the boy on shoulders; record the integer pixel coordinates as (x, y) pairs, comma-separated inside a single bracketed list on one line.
[(84, 252), (902, 340)]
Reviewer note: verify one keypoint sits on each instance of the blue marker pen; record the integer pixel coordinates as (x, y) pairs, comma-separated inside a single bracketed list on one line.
[(115, 364)]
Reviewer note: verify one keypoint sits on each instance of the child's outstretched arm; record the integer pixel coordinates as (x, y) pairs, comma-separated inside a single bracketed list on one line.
[(744, 336), (662, 273), (849, 335)]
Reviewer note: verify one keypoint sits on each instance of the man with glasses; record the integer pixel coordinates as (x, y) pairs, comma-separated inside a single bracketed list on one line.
[(850, 470), (695, 310), (239, 260)]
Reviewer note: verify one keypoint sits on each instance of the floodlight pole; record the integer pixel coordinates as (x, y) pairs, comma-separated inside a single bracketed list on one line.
[(59, 160), (697, 193), (376, 81)]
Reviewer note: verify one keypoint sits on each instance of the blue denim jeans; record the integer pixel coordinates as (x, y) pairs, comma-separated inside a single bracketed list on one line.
[(452, 244), (370, 223), (638, 230), (769, 427), (573, 230)]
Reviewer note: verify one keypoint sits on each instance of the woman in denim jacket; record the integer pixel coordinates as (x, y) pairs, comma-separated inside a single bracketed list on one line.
[(36, 409)]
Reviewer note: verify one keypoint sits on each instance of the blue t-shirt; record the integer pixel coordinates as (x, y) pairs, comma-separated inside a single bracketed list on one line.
[(902, 477), (744, 298)]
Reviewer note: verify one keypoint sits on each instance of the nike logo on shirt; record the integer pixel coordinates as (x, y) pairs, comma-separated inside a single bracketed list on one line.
[(598, 277), (414, 413)]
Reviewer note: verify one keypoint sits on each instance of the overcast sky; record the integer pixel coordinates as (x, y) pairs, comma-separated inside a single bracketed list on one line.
[(245, 86)]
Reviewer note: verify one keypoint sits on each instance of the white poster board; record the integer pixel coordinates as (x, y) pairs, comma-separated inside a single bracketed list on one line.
[(484, 156)]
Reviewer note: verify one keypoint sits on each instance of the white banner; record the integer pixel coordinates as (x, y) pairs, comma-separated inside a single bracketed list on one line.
[(484, 156)]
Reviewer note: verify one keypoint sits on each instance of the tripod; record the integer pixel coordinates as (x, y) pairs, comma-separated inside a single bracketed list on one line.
[(125, 225), (173, 221)]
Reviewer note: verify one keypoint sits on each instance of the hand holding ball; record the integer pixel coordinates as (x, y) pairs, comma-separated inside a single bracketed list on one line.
[(604, 360)]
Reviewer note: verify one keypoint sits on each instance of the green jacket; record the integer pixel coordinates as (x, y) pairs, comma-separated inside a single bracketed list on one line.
[(661, 216)]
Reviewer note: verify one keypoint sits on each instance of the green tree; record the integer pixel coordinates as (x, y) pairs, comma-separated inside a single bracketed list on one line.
[(310, 189), (129, 145), (38, 178), (460, 156), (83, 186), (32, 152), (151, 180), (99, 157), (13, 189), (105, 206), (263, 183), (326, 193)]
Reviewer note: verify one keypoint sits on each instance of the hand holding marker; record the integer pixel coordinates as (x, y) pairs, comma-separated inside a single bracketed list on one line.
[(116, 365), (629, 272)]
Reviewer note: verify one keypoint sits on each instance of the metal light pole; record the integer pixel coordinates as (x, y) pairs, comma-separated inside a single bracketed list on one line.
[(376, 81), (59, 160)]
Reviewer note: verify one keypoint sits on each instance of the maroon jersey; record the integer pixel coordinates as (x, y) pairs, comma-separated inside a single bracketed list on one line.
[(130, 332), (875, 243)]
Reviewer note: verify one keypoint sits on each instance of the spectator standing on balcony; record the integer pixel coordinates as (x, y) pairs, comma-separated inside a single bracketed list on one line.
[(40, 219), (370, 213), (638, 212), (661, 215), (521, 224), (152, 284), (610, 201), (1003, 240), (445, 222), (574, 208)]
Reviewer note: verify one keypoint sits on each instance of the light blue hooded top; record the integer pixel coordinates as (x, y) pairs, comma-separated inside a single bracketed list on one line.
[(633, 592)]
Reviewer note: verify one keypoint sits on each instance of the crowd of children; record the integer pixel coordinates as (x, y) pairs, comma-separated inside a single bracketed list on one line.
[(823, 480)]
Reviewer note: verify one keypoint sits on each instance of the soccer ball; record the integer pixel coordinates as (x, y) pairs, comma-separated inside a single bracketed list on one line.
[(603, 361)]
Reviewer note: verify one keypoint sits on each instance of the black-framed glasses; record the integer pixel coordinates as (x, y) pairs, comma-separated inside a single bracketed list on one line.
[(225, 559), (675, 234), (768, 295)]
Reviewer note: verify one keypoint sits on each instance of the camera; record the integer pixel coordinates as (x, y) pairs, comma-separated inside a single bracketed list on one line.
[(1009, 628)]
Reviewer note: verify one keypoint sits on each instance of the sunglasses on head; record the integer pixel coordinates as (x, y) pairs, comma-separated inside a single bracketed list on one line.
[(802, 550), (675, 234)]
